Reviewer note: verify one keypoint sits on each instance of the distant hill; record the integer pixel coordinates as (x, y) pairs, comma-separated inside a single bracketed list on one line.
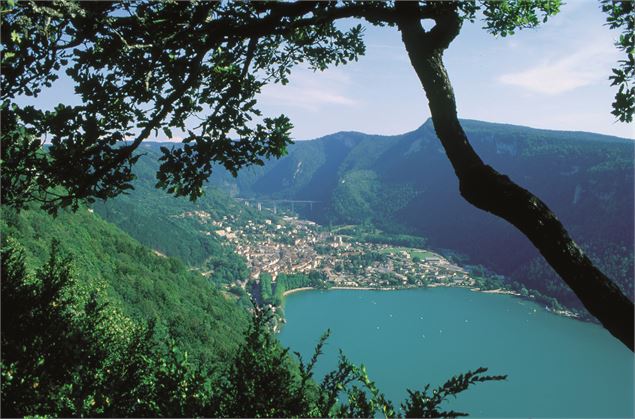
[(405, 183)]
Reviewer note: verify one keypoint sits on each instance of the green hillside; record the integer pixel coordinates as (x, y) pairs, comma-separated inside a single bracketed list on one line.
[(178, 227), (203, 321)]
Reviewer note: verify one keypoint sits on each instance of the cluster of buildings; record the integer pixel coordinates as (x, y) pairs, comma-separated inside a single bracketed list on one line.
[(286, 245), (291, 245)]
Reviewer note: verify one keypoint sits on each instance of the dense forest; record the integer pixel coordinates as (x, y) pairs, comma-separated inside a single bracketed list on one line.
[(142, 284), (403, 184), (273, 293)]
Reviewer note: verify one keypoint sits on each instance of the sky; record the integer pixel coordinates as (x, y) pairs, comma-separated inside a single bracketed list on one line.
[(554, 76)]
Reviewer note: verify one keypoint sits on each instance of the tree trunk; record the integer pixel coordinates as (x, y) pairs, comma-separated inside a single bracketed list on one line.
[(485, 188)]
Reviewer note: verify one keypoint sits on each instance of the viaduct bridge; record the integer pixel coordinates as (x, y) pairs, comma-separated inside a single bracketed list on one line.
[(275, 204)]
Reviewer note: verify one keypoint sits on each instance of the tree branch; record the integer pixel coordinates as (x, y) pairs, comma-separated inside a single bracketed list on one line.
[(493, 192), (275, 23)]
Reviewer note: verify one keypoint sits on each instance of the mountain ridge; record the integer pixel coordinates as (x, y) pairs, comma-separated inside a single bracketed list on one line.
[(404, 183), (466, 122)]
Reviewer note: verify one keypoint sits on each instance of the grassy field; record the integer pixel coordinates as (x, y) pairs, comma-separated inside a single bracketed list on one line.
[(421, 254)]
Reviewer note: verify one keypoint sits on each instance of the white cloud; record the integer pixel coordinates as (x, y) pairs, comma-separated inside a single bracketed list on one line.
[(586, 66), (311, 91)]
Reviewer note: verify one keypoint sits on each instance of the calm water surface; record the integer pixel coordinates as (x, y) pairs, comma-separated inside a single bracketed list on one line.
[(556, 367)]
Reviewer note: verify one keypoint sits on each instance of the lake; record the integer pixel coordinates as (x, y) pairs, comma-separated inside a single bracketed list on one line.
[(556, 366)]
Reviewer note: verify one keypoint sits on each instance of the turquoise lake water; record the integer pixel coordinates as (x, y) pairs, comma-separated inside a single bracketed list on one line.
[(556, 367)]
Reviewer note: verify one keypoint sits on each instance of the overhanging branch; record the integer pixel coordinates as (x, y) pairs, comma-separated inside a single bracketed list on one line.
[(488, 190)]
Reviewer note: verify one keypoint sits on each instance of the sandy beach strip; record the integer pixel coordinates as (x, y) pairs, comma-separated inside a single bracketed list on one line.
[(495, 291), (500, 291), (284, 294)]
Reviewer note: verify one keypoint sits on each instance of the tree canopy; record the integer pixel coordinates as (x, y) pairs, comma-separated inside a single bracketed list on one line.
[(142, 67), (147, 67)]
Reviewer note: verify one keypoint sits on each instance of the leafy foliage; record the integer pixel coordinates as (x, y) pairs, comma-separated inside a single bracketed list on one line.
[(135, 74), (266, 288), (300, 280), (422, 404), (273, 294), (505, 17), (65, 352), (260, 382), (621, 15)]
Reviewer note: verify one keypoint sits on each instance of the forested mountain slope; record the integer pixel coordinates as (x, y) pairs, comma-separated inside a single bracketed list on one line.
[(203, 321), (178, 227), (405, 183)]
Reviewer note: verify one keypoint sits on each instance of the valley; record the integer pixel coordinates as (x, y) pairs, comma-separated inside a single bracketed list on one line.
[(384, 212), (276, 209), (190, 270), (339, 258), (403, 184)]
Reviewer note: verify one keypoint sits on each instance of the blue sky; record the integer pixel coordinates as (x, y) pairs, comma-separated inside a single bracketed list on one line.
[(554, 76)]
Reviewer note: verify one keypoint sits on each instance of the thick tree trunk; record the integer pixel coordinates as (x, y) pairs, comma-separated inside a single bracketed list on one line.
[(493, 192)]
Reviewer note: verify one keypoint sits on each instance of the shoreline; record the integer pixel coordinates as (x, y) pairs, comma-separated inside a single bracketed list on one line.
[(365, 288), (494, 291), (499, 291), (294, 290)]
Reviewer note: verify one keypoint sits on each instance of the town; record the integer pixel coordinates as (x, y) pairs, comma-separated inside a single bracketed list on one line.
[(289, 245), (280, 245)]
